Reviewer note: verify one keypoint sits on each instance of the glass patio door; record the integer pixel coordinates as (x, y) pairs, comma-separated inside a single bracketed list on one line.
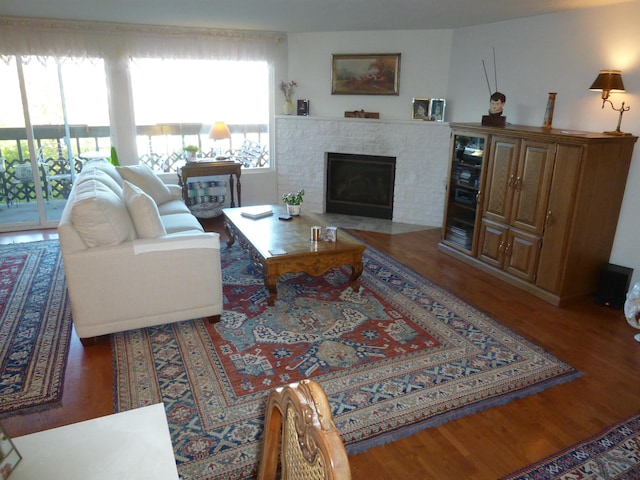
[(44, 100)]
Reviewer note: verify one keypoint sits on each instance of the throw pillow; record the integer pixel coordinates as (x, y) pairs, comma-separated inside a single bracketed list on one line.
[(143, 177), (144, 212)]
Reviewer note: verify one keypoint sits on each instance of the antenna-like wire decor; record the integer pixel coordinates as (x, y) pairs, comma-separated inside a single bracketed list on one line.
[(487, 77), (495, 68)]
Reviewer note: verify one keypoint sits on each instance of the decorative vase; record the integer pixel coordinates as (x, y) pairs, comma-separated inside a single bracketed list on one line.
[(548, 114), (293, 210), (288, 107)]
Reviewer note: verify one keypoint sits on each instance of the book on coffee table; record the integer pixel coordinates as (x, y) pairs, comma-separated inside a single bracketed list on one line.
[(257, 212)]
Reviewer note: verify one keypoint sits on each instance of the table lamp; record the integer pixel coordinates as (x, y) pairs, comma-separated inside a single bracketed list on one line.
[(220, 131), (610, 81)]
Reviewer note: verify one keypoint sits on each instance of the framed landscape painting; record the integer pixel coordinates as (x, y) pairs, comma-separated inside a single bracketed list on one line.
[(365, 74)]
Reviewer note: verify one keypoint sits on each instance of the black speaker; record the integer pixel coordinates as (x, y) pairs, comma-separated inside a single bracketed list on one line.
[(613, 286)]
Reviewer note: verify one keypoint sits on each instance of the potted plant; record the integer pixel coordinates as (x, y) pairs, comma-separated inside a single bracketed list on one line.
[(293, 201), (192, 151)]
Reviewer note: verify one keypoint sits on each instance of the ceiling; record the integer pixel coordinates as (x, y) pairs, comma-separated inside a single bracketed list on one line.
[(296, 15)]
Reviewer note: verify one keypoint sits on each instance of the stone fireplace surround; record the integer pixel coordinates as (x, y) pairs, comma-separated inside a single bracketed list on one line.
[(421, 150)]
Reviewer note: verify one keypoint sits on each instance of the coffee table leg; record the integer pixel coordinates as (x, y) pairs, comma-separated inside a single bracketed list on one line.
[(230, 234), (271, 282), (356, 271)]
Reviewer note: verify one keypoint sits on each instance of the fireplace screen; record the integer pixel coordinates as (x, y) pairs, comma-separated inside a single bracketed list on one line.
[(360, 185)]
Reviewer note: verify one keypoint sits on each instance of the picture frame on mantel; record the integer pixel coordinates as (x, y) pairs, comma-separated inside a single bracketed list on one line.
[(436, 109), (420, 109), (365, 74)]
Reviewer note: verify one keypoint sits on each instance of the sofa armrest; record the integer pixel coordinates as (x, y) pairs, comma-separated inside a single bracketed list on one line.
[(176, 190), (112, 285)]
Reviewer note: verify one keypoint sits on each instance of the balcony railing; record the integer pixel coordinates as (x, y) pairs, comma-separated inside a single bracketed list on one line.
[(159, 146)]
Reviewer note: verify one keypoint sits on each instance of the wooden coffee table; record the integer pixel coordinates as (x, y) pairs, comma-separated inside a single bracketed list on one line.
[(279, 246)]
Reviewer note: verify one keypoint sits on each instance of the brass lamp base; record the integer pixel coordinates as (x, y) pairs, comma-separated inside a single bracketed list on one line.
[(617, 133)]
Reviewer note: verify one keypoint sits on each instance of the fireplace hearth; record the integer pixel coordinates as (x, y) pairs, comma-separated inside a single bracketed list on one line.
[(360, 185)]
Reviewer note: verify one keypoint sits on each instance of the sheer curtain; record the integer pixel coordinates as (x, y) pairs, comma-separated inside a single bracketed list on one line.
[(117, 44), (21, 36)]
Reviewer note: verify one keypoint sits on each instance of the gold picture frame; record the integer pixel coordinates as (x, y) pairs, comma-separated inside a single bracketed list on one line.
[(365, 74), (420, 108)]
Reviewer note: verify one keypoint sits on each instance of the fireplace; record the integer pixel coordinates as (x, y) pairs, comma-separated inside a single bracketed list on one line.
[(360, 185)]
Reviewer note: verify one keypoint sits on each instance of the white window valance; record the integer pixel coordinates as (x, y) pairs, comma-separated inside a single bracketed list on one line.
[(25, 36)]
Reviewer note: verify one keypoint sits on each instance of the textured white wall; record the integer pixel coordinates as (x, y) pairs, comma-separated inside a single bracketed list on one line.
[(421, 151)]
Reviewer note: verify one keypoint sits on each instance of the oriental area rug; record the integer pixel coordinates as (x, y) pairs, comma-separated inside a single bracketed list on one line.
[(35, 326), (614, 453), (399, 356)]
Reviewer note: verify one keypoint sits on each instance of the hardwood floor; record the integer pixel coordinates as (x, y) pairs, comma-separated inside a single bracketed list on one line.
[(486, 445)]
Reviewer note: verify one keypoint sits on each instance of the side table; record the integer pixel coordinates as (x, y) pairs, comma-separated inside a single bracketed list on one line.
[(204, 169)]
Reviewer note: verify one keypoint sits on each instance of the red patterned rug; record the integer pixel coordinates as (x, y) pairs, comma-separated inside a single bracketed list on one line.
[(397, 357), (35, 326), (614, 453)]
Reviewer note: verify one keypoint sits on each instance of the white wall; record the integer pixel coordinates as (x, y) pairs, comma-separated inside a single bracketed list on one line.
[(562, 53), (424, 69)]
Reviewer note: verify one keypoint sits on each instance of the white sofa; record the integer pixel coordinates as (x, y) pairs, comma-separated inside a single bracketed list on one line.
[(134, 256)]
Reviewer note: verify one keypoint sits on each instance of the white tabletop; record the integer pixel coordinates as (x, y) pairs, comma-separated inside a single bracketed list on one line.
[(135, 444)]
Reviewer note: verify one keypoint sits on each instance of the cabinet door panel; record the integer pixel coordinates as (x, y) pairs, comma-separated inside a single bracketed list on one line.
[(503, 156), (531, 188), (522, 254), (560, 210), (493, 241)]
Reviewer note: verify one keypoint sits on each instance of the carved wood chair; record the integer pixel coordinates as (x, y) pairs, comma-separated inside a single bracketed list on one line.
[(301, 435)]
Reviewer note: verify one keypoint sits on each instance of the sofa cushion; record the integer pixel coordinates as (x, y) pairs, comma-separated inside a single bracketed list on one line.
[(181, 222), (174, 206), (99, 214), (103, 165), (143, 211), (90, 173), (143, 177)]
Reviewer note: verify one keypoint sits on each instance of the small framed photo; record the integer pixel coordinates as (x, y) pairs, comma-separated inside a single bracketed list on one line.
[(420, 109), (303, 107), (9, 456), (436, 109)]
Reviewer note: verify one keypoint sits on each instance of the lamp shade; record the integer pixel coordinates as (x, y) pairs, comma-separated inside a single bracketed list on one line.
[(219, 131), (607, 81)]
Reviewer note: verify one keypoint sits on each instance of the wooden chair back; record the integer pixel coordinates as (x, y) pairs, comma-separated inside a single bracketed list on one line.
[(300, 435)]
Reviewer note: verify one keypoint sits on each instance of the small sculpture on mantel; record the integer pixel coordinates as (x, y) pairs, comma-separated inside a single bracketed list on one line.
[(496, 100)]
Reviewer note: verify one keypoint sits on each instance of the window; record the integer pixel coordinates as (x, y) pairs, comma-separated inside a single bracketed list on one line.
[(66, 111), (176, 101)]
